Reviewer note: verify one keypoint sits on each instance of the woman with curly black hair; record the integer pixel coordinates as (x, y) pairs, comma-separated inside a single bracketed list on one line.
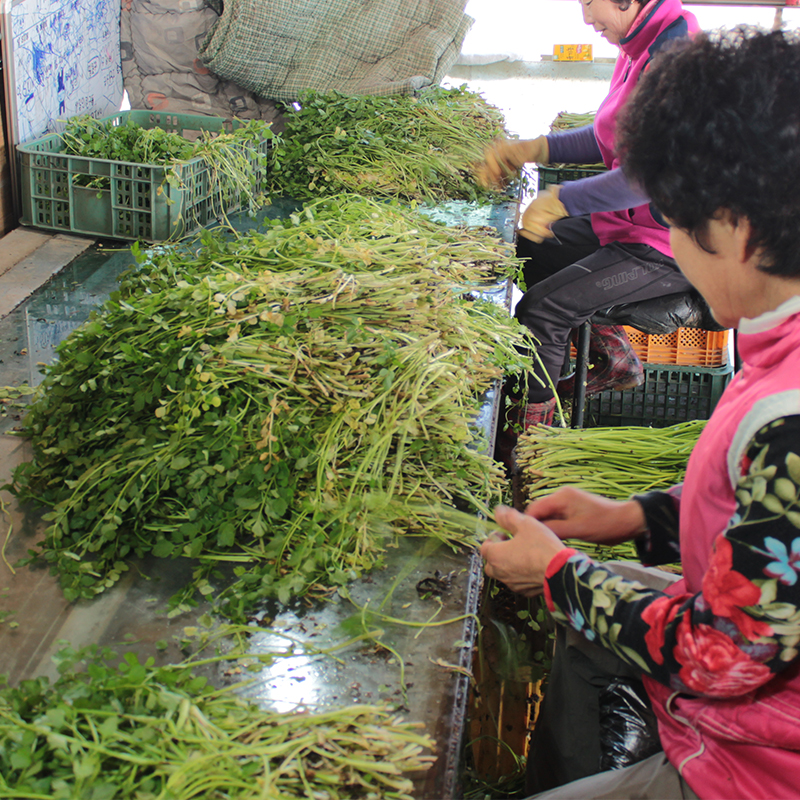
[(718, 650), (595, 242)]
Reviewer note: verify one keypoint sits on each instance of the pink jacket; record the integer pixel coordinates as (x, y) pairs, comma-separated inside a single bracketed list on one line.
[(743, 747), (666, 21)]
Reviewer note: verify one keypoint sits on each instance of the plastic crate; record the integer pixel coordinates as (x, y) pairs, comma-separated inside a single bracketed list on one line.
[(669, 394), (686, 346), (136, 202), (559, 173)]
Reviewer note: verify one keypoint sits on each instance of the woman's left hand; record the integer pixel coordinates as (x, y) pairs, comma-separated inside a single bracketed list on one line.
[(520, 561), (542, 212)]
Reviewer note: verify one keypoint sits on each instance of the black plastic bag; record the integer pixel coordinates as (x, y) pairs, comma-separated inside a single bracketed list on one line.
[(663, 314), (628, 726)]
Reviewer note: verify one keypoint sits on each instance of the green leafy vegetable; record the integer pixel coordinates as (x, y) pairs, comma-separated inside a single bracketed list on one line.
[(613, 462), (234, 161), (286, 402), (416, 148), (134, 731)]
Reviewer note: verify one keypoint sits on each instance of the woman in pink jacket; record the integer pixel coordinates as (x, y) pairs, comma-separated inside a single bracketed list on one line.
[(596, 242), (718, 651)]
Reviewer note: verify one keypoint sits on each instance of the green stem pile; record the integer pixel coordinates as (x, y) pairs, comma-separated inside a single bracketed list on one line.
[(413, 148), (613, 462), (288, 402), (566, 120), (135, 731), (236, 166)]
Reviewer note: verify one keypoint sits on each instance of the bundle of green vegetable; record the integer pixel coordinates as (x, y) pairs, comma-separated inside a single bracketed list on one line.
[(289, 400), (229, 157), (135, 731), (421, 148), (566, 120), (91, 138), (613, 462)]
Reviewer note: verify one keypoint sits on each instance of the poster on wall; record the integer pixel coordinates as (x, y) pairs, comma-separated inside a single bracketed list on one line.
[(61, 58)]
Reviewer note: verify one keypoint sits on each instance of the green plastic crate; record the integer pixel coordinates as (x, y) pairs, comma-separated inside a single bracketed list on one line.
[(137, 204), (559, 173), (669, 394)]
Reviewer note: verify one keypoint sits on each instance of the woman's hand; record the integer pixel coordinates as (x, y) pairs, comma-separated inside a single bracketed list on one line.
[(520, 561), (542, 212), (575, 514), (504, 157)]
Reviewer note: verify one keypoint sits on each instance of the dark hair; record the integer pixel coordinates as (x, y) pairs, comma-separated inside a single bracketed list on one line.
[(715, 124)]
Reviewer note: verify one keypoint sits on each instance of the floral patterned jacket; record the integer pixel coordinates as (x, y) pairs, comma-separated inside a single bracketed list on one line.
[(745, 624), (719, 649)]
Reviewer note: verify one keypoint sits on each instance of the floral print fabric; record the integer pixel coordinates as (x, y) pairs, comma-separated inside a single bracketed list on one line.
[(744, 626)]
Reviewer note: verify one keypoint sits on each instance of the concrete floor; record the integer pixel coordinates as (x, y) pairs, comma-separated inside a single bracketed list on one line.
[(29, 258)]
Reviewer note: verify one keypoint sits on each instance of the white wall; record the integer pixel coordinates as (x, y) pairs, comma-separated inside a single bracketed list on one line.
[(530, 28), (526, 30)]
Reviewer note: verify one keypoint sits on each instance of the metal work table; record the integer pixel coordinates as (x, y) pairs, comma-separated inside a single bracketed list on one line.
[(436, 661)]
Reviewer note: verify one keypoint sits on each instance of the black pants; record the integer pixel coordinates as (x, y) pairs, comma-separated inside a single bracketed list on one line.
[(571, 277)]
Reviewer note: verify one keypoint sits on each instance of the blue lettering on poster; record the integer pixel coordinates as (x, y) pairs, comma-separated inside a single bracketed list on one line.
[(66, 61)]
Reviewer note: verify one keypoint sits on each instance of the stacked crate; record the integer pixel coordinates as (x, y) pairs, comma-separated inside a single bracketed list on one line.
[(685, 373)]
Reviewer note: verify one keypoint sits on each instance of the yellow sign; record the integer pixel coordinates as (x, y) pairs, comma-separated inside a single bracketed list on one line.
[(572, 52)]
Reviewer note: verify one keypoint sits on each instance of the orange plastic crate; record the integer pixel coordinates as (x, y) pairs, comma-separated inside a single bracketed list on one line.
[(687, 346)]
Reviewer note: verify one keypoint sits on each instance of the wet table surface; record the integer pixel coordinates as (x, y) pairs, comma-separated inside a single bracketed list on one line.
[(423, 582)]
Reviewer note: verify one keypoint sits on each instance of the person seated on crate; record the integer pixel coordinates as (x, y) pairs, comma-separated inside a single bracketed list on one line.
[(718, 649), (595, 242)]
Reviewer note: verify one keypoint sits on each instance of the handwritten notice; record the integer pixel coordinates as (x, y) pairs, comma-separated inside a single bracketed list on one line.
[(65, 58)]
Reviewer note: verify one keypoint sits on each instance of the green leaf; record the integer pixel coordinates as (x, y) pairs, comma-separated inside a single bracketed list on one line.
[(104, 791), (248, 503), (56, 717), (180, 462), (85, 767), (84, 357), (226, 535), (109, 727), (163, 548), (275, 507), (194, 548), (20, 759), (58, 741)]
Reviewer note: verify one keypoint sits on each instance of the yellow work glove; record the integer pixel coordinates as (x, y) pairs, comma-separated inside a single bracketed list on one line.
[(504, 157), (542, 212)]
